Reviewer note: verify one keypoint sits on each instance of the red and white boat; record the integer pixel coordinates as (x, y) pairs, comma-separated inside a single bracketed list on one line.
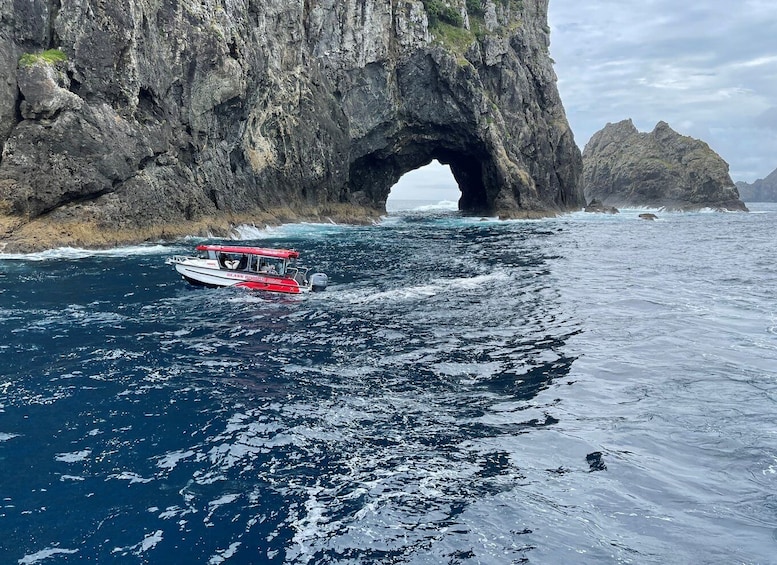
[(255, 268)]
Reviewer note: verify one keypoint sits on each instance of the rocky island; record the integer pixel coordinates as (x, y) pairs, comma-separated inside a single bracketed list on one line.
[(762, 190), (129, 121), (661, 169)]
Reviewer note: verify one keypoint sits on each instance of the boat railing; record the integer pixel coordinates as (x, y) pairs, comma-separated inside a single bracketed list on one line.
[(299, 274)]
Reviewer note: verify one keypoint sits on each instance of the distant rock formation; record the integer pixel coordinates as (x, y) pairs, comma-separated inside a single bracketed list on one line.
[(131, 120), (662, 169), (762, 190), (596, 206)]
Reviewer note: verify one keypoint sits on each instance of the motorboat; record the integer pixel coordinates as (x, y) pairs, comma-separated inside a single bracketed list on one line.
[(255, 268)]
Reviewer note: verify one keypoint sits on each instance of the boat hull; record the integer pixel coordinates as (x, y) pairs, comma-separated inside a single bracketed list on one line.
[(207, 273)]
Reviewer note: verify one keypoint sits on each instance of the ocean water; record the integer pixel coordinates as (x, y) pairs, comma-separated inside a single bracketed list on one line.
[(584, 389)]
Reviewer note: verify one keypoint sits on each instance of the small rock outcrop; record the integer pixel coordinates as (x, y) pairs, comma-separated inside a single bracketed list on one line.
[(597, 207), (762, 190), (122, 121), (661, 169)]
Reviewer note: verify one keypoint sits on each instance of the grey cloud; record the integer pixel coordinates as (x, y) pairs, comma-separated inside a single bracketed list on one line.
[(706, 68), (767, 119)]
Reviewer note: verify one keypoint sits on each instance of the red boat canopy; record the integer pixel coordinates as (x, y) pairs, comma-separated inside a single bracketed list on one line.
[(262, 252)]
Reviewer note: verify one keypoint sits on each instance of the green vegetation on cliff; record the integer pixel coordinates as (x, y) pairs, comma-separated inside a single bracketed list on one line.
[(457, 39), (447, 23), (439, 12), (49, 57)]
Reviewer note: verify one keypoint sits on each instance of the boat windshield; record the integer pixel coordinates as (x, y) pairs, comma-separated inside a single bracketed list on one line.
[(269, 265)]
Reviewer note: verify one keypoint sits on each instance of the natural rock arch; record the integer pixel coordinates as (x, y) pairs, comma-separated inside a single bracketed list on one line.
[(271, 111), (501, 130), (375, 174)]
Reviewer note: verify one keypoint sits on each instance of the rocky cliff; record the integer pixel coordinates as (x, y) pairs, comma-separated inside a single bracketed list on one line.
[(762, 190), (661, 169), (122, 121)]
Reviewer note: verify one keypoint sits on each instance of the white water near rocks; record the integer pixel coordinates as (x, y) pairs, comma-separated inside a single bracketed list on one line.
[(585, 389)]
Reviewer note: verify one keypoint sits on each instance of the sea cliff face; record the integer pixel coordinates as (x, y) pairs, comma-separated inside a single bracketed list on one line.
[(661, 169), (122, 121)]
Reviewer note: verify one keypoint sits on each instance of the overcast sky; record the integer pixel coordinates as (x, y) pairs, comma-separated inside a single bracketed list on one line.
[(706, 67)]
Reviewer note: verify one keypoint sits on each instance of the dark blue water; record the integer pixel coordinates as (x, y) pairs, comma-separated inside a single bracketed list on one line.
[(586, 389)]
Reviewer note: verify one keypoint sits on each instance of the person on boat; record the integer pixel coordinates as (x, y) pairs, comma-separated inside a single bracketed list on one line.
[(231, 262)]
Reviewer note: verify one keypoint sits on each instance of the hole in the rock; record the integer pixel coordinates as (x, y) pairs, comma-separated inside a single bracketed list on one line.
[(432, 185)]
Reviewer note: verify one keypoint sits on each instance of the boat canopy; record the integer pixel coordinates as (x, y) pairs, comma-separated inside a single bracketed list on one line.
[(262, 252)]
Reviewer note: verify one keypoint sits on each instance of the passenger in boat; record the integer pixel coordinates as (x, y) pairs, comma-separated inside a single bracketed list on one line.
[(229, 262), (241, 266)]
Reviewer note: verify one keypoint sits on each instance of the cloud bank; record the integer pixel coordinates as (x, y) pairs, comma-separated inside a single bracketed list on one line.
[(709, 69)]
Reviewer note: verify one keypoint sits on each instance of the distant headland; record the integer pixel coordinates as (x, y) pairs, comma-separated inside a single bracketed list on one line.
[(762, 190)]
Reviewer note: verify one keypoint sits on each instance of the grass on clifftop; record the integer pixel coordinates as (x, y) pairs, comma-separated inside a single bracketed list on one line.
[(49, 57)]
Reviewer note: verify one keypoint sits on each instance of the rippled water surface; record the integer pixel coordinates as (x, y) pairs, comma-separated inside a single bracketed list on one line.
[(586, 389)]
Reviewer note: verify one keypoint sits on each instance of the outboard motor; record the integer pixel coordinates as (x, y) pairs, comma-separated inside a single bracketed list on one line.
[(318, 282)]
